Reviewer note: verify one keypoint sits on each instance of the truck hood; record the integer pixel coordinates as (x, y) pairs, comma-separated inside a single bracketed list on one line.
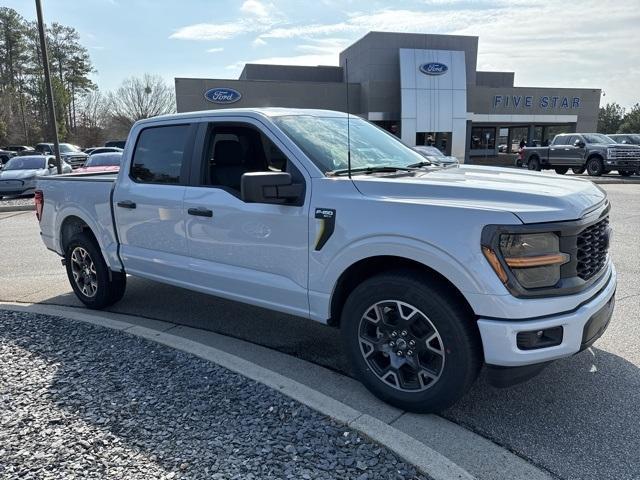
[(21, 174), (533, 197)]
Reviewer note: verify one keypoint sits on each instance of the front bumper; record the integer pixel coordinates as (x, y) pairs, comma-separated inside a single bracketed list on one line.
[(624, 164), (581, 327)]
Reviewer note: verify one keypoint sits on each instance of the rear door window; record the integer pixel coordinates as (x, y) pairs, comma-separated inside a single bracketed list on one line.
[(159, 154)]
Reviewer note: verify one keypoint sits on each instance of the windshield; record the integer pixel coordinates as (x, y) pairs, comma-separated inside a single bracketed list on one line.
[(104, 160), (68, 148), (25, 163), (597, 138), (324, 141), (429, 151)]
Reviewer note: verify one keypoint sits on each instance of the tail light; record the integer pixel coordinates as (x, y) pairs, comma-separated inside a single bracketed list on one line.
[(39, 200)]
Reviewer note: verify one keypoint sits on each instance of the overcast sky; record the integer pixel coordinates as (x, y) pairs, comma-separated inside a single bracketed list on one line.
[(554, 43)]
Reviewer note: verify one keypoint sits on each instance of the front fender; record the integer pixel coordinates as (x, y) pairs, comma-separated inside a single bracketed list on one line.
[(465, 268)]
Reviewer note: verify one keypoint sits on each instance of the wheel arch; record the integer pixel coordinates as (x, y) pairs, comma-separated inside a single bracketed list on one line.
[(370, 266), (597, 155), (71, 226)]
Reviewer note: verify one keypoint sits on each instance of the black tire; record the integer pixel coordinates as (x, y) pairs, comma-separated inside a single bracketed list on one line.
[(595, 167), (457, 338), (577, 170), (561, 170), (97, 287), (534, 164), (625, 173)]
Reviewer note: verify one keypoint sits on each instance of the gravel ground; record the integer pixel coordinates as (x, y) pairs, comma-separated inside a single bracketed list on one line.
[(79, 401), (16, 201)]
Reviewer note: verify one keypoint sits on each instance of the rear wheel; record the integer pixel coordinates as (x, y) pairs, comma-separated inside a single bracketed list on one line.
[(410, 343), (92, 281), (561, 170), (534, 164), (595, 168), (577, 170)]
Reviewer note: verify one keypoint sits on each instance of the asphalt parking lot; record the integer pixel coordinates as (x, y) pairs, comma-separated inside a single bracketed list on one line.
[(579, 419)]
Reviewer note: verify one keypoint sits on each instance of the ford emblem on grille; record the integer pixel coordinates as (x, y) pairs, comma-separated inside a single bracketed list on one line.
[(434, 68), (222, 95)]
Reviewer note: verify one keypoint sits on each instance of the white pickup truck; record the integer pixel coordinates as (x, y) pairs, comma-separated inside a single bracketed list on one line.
[(430, 272)]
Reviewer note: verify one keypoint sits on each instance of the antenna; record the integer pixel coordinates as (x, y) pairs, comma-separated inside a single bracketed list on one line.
[(346, 75)]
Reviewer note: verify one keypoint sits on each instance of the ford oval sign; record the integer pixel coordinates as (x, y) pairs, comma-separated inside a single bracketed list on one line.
[(433, 68), (222, 95)]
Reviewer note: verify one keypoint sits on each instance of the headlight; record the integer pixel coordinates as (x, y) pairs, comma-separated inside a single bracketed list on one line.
[(534, 259)]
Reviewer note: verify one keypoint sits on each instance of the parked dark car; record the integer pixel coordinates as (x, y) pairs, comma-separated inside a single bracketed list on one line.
[(20, 149), (68, 152), (626, 138), (594, 152), (115, 143), (5, 156)]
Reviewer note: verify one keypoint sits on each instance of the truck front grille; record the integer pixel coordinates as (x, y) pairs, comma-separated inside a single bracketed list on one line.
[(627, 153), (593, 246)]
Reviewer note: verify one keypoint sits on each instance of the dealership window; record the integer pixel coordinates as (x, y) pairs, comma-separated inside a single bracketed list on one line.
[(483, 138), (159, 154)]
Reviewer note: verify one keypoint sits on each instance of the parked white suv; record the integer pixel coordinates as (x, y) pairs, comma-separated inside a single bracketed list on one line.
[(429, 272)]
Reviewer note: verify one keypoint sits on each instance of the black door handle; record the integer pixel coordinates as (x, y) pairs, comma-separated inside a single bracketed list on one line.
[(127, 204), (200, 212)]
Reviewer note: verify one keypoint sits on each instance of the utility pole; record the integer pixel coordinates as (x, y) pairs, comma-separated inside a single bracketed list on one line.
[(47, 81)]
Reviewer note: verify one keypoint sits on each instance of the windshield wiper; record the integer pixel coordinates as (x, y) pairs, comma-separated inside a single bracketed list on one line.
[(367, 170), (424, 163)]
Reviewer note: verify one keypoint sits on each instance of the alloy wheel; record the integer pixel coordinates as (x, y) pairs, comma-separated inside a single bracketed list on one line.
[(84, 272), (401, 346)]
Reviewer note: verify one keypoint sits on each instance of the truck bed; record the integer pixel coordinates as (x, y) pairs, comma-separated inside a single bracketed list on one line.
[(83, 196)]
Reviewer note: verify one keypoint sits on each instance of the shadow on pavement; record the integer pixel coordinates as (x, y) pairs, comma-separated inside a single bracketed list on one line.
[(296, 336)]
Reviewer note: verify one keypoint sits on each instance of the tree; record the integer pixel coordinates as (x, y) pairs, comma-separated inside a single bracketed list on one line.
[(23, 105), (139, 98), (610, 117), (631, 121), (93, 118)]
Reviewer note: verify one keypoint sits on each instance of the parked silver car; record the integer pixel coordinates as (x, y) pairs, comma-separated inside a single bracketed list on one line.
[(433, 154), (19, 175)]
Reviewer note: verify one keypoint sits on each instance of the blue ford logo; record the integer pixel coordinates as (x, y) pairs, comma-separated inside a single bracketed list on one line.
[(222, 95), (433, 68)]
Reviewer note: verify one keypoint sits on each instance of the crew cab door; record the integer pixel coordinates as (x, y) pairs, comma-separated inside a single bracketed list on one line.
[(148, 202), (253, 252), (569, 154)]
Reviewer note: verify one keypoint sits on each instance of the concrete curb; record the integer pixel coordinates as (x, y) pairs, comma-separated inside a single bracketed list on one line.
[(411, 450), (16, 208)]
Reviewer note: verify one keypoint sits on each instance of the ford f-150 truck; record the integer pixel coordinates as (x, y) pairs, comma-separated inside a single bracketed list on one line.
[(593, 152), (428, 271)]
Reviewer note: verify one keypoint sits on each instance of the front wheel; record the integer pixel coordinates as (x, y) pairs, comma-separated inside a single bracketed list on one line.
[(625, 173), (595, 168), (410, 343), (92, 281)]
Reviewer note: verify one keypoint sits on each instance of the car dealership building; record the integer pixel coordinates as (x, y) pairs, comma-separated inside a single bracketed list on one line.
[(424, 88)]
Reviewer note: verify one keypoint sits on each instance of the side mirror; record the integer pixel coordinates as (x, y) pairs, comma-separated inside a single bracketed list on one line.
[(52, 164), (579, 144), (269, 187)]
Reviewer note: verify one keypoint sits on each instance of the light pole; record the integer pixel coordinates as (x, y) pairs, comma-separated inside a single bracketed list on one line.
[(47, 81)]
